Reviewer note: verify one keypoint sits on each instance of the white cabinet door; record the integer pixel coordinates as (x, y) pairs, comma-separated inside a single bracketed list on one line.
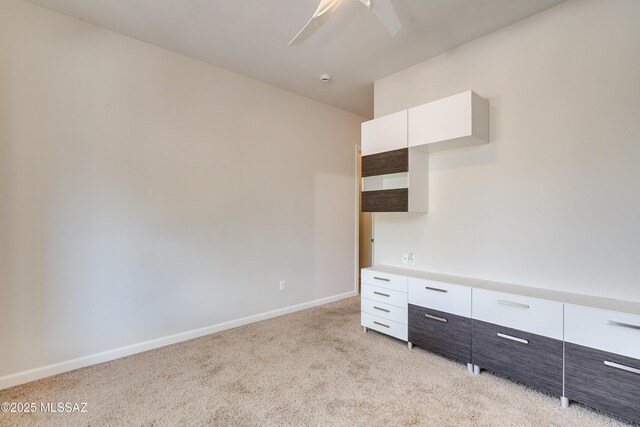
[(452, 122), (533, 315), (385, 133), (454, 299), (602, 329)]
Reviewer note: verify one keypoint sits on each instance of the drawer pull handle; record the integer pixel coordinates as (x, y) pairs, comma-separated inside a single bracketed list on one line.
[(381, 324), (624, 325), (512, 304), (381, 294), (429, 288), (623, 367), (512, 338), (382, 278), (381, 309), (439, 319)]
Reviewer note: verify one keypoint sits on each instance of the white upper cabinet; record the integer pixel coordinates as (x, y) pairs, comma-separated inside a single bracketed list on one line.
[(395, 149), (385, 133), (456, 121)]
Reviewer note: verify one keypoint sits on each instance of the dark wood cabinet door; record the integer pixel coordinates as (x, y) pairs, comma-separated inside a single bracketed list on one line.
[(604, 386), (385, 200), (395, 161), (443, 333), (527, 358)]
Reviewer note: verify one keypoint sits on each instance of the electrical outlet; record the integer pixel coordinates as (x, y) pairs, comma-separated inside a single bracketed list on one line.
[(283, 285), (408, 259), (411, 259)]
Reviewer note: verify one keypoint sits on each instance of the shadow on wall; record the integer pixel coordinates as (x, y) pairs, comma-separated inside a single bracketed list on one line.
[(330, 224), (22, 263)]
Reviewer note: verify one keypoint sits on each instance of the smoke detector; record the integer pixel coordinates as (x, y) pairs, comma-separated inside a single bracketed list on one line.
[(325, 77)]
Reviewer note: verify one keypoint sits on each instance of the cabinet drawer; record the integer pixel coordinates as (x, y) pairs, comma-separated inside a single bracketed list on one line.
[(538, 316), (440, 332), (387, 296), (384, 280), (387, 311), (454, 299), (602, 329), (383, 325), (528, 358), (612, 389)]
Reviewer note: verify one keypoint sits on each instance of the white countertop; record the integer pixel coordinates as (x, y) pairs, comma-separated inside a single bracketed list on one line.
[(630, 307), (457, 280)]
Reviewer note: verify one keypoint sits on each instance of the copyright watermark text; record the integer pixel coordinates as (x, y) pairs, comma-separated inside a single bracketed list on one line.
[(44, 407)]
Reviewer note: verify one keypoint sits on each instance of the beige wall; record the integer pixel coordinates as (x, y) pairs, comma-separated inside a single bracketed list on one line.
[(144, 194), (554, 200)]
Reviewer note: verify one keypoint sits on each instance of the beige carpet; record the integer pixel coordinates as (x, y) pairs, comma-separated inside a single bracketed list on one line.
[(314, 367)]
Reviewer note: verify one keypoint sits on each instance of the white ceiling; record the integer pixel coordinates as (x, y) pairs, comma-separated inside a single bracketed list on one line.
[(250, 37)]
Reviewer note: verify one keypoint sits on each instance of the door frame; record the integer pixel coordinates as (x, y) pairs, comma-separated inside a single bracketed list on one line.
[(358, 189)]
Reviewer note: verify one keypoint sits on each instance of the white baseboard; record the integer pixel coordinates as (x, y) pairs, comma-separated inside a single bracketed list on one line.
[(93, 359)]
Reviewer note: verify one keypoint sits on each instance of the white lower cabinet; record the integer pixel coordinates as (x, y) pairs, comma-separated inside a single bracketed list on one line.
[(582, 348), (439, 318), (602, 360), (518, 337), (384, 302)]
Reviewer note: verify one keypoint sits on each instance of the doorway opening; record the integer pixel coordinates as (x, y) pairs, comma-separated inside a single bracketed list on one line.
[(365, 236)]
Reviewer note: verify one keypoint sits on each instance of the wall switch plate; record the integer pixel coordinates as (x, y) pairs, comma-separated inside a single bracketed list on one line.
[(283, 285), (405, 259)]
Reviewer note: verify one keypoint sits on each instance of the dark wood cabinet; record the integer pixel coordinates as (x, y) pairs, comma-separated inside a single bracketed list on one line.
[(527, 358), (443, 333), (604, 381), (395, 161), (385, 200)]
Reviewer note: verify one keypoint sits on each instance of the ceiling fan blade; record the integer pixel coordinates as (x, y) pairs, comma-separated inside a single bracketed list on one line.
[(386, 13), (319, 17)]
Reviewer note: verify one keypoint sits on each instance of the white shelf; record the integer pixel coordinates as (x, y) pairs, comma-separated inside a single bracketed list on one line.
[(391, 181)]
